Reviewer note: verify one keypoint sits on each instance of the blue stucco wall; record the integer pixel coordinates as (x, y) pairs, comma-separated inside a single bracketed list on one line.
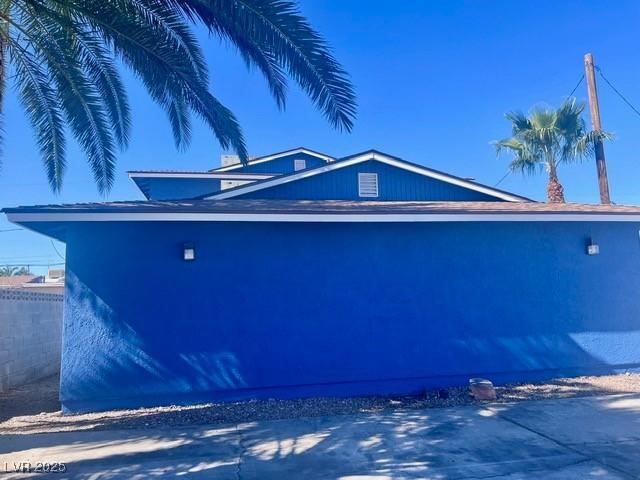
[(282, 310), (393, 184), (178, 188), (282, 165)]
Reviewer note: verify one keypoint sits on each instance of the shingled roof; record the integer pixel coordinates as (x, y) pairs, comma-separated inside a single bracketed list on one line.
[(327, 207)]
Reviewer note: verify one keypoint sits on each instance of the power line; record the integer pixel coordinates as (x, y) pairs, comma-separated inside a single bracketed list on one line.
[(503, 177), (57, 252), (11, 230), (23, 257), (29, 264), (577, 85), (599, 70)]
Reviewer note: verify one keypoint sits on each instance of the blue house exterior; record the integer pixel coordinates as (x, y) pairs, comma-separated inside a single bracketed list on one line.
[(281, 162), (396, 180), (331, 293), (159, 185), (176, 185)]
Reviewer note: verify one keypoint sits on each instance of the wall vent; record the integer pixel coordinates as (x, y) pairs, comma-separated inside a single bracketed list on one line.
[(368, 184), (299, 164)]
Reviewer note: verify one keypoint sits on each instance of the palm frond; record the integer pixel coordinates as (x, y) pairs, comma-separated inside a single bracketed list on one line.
[(268, 65), (219, 118), (569, 117), (40, 102), (585, 145), (524, 165), (280, 32), (168, 22), (170, 77), (66, 53), (512, 144), (79, 98), (519, 122), (102, 71), (180, 120), (524, 159), (93, 57)]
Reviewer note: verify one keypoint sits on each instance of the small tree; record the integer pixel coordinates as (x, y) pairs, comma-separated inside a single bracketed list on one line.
[(546, 138), (10, 271)]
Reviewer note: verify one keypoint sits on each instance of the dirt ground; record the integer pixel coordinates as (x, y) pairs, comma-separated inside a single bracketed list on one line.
[(35, 408)]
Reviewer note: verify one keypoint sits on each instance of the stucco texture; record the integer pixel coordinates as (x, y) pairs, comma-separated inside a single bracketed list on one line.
[(296, 309)]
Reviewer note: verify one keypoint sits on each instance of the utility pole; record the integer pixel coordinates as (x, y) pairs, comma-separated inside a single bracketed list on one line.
[(601, 165)]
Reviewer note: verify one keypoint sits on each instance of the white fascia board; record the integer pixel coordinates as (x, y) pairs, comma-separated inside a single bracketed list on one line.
[(363, 158), (268, 158), (22, 218), (448, 179), (212, 175)]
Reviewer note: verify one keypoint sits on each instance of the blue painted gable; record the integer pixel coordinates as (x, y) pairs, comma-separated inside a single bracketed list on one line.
[(393, 184), (280, 165), (177, 188)]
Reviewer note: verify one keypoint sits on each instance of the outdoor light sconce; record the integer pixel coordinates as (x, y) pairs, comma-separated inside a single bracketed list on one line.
[(188, 252), (592, 248)]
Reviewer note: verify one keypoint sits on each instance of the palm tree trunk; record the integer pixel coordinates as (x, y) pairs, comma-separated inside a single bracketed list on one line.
[(555, 191)]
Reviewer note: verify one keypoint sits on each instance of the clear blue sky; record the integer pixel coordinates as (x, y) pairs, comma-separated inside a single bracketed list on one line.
[(433, 79)]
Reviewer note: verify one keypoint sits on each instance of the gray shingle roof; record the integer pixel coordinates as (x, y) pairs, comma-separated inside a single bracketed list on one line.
[(328, 207)]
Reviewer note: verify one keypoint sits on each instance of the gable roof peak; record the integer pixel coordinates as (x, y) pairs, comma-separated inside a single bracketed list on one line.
[(373, 154), (273, 156), (379, 156)]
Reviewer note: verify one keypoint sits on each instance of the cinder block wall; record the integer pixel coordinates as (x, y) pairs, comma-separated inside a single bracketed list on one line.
[(30, 336)]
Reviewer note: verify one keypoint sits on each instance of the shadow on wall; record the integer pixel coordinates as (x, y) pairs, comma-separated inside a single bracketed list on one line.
[(109, 364), (104, 355)]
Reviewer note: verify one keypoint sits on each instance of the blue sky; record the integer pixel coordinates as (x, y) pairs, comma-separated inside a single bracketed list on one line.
[(433, 79)]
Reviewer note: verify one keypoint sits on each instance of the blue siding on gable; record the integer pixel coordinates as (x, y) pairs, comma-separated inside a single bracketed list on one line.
[(395, 308), (393, 184), (281, 165), (178, 188)]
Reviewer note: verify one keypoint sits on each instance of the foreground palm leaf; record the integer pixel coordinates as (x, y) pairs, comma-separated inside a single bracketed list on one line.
[(546, 138), (63, 55)]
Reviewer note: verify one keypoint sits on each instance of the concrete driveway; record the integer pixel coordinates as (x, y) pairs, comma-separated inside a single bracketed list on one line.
[(593, 437)]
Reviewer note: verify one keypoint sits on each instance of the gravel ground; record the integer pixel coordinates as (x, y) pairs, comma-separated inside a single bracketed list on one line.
[(35, 409)]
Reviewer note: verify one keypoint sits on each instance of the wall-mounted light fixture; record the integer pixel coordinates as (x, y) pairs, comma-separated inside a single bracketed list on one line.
[(592, 247), (188, 252)]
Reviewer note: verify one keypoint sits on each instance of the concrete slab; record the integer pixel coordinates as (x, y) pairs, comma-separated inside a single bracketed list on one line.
[(620, 456), (580, 471), (563, 439), (605, 429), (437, 443), (117, 454), (612, 418)]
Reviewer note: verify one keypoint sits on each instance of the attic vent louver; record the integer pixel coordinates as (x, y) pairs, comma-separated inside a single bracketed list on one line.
[(368, 184), (299, 164)]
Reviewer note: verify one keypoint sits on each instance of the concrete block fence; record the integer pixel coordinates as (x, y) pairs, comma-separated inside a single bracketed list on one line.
[(30, 336)]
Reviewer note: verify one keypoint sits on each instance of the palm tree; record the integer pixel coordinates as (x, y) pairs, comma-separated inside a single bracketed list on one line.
[(63, 55), (546, 138), (9, 271)]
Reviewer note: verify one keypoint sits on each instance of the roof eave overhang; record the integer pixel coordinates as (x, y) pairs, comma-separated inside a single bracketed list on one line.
[(203, 175), (68, 217)]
